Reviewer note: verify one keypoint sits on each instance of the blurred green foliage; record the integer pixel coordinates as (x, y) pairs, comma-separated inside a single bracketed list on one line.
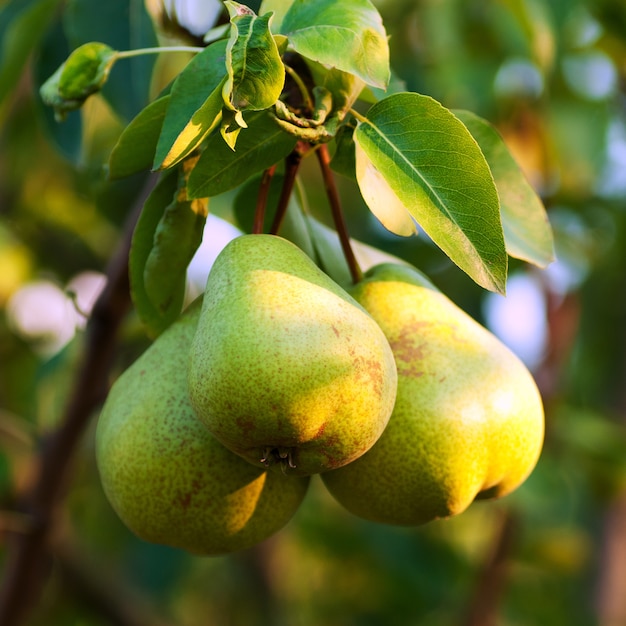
[(550, 75)]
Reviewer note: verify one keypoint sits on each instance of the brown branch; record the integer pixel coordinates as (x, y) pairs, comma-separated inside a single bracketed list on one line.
[(292, 165), (261, 203), (28, 559), (483, 609), (335, 206)]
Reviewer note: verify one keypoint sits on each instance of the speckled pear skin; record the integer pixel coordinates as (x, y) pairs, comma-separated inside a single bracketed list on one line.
[(169, 480), (468, 421), (286, 369)]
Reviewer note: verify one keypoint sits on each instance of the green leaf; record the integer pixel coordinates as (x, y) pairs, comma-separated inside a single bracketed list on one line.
[(256, 74), (380, 197), (279, 8), (527, 231), (161, 196), (220, 169), (348, 35), (135, 147), (84, 73), (177, 236), (123, 25), (344, 156), (344, 87), (67, 138), (23, 23), (429, 160), (195, 106)]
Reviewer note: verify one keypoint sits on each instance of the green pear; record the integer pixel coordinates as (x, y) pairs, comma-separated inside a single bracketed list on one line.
[(286, 369), (468, 421), (169, 480)]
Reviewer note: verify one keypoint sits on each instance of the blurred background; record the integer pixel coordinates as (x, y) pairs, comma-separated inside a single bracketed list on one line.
[(551, 75)]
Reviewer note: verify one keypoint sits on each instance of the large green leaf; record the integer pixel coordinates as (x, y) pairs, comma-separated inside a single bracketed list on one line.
[(417, 150), (22, 25), (348, 35), (135, 148), (123, 25), (219, 169), (256, 74), (195, 106), (527, 231)]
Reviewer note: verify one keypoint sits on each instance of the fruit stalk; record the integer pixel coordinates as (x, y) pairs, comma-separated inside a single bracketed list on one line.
[(292, 165), (261, 203), (335, 206)]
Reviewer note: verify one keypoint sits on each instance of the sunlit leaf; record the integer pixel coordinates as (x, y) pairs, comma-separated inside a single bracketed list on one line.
[(380, 197), (348, 35), (219, 169), (434, 166), (195, 106), (527, 232), (256, 74)]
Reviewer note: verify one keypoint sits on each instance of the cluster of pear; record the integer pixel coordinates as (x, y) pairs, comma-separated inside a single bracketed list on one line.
[(407, 408)]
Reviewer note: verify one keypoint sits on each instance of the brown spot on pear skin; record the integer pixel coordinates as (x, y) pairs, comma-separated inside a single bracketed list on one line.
[(408, 351), (246, 425)]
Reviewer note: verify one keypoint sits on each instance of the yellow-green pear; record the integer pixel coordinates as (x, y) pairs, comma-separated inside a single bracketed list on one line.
[(468, 421), (286, 369), (169, 480)]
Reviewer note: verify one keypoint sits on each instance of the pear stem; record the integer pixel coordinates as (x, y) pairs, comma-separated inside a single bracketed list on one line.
[(335, 206), (261, 203), (292, 165)]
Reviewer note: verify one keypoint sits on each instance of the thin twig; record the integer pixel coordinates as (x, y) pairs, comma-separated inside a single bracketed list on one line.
[(261, 203), (292, 165), (335, 206), (28, 560)]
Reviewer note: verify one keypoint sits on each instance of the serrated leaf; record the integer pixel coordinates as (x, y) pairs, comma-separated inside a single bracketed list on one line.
[(527, 231), (256, 74), (348, 35), (161, 196), (22, 25), (195, 106), (123, 25), (135, 148), (434, 166), (219, 169)]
